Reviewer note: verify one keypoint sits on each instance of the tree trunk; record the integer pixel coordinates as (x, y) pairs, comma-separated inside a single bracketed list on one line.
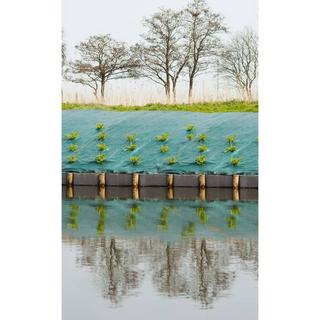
[(102, 89), (174, 90), (190, 90), (167, 91)]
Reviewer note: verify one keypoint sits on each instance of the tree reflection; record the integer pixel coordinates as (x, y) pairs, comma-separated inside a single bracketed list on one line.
[(201, 269)]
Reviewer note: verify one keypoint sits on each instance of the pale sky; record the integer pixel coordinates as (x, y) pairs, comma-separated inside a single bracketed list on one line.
[(122, 18)]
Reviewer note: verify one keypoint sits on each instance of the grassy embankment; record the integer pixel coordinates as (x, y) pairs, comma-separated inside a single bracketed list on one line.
[(225, 106)]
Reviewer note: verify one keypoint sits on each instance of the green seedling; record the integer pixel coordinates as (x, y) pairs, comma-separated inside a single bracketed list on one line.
[(102, 146), (190, 127), (100, 158), (231, 139), (73, 147), (131, 138), (189, 230), (203, 148), (231, 148), (190, 136), (164, 149), (164, 219), (102, 136), (135, 209), (171, 161), (73, 216), (72, 159), (202, 137), (131, 147), (99, 126), (202, 214), (101, 210), (131, 221), (232, 221), (235, 210), (163, 137), (201, 160), (135, 160), (72, 135), (235, 161)]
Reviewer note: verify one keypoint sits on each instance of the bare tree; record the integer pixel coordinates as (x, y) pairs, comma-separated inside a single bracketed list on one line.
[(202, 29), (163, 57), (239, 61), (101, 59)]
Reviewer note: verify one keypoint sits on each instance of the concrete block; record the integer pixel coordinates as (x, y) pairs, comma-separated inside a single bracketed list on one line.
[(218, 181), (152, 180), (249, 194), (181, 193), (222, 194), (85, 179), (118, 192), (154, 193), (64, 178), (186, 180), (118, 179), (249, 182)]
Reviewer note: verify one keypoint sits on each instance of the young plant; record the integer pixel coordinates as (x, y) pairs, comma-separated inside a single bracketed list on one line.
[(202, 148), (102, 146), (163, 137), (202, 137), (100, 158), (135, 160), (235, 161), (164, 149), (189, 230), (190, 136), (201, 160), (102, 136), (231, 148), (202, 214), (231, 139), (99, 126), (172, 160), (72, 159), (131, 138), (72, 135), (131, 147), (235, 210), (190, 127), (73, 147)]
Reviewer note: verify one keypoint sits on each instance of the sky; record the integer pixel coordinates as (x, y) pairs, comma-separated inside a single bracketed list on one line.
[(123, 18)]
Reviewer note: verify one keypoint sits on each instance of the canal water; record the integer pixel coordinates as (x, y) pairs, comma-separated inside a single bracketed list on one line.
[(126, 259)]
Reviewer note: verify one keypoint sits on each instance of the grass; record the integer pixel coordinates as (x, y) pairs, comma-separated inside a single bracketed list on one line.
[(135, 160), (207, 107), (190, 127), (100, 158), (202, 137), (164, 149), (231, 139), (172, 160), (235, 161), (72, 135), (131, 137), (102, 136), (73, 147), (203, 148), (201, 160), (102, 146), (231, 148), (99, 126), (190, 136), (131, 147), (72, 159), (163, 137)]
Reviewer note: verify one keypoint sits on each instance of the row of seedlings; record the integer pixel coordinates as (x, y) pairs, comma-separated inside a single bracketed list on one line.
[(102, 147), (163, 222), (232, 147), (164, 148), (131, 146), (73, 147)]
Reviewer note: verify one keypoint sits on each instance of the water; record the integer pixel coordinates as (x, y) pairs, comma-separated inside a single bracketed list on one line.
[(159, 259)]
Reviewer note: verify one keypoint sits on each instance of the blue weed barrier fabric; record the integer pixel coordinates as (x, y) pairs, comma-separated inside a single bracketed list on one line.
[(168, 220), (147, 125)]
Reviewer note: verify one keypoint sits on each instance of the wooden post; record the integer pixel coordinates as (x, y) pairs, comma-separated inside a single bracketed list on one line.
[(235, 181), (102, 180), (70, 192), (69, 179), (102, 192), (202, 181), (135, 180), (135, 194), (236, 195), (170, 194), (202, 194), (170, 181)]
